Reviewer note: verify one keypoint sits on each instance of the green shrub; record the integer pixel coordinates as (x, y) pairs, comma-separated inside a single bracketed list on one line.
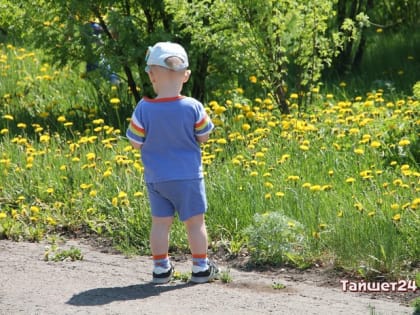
[(274, 238)]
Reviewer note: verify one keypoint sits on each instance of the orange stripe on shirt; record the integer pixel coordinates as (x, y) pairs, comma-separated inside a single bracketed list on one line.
[(201, 124), (137, 129)]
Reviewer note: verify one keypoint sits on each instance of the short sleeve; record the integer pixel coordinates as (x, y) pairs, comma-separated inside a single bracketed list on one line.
[(135, 131), (203, 124)]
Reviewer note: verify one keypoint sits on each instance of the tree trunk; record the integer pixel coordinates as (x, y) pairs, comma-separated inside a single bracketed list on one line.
[(199, 82)]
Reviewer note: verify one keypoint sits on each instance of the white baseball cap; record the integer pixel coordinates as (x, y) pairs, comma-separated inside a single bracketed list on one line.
[(160, 52)]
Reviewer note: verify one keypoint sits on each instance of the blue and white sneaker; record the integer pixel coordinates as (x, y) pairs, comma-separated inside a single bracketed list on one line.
[(205, 274), (162, 275)]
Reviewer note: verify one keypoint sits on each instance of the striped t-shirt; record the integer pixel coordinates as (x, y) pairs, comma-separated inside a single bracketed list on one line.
[(167, 128)]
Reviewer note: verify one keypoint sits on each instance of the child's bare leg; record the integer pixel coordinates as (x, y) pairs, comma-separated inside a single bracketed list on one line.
[(203, 270), (197, 234), (159, 235)]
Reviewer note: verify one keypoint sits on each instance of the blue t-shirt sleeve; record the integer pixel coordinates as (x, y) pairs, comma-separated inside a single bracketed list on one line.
[(135, 131), (203, 125)]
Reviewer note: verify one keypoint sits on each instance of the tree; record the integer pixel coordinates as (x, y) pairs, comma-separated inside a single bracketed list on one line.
[(61, 29), (292, 42), (285, 43), (399, 15)]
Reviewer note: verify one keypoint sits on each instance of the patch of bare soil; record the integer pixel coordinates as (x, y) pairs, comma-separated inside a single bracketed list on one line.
[(107, 282)]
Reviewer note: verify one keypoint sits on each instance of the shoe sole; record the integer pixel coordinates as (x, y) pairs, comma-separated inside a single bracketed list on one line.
[(204, 279), (163, 280)]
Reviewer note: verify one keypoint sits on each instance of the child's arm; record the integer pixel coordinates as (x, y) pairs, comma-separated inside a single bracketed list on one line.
[(136, 145), (203, 138)]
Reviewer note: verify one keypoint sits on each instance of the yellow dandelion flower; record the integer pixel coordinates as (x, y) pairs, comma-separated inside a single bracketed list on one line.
[(375, 144), (138, 194), (219, 110), (254, 174), (35, 209), (253, 79), (107, 173), (291, 224), (397, 182), (93, 193), (404, 142), (259, 155), (85, 186), (267, 196), (359, 206), (51, 221), (50, 190), (322, 226), (44, 138), (280, 194), (350, 180), (268, 185), (395, 206), (246, 127), (3, 215), (397, 217), (405, 167), (122, 195), (359, 151), (99, 121), (90, 156), (315, 188), (8, 117), (326, 187), (115, 100), (114, 201)]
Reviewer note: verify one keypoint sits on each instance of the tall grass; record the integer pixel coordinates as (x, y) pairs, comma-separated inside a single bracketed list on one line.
[(347, 171)]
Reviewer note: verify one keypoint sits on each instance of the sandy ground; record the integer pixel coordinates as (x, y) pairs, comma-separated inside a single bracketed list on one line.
[(106, 283)]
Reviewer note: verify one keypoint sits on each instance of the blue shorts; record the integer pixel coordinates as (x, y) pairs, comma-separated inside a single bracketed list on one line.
[(186, 197)]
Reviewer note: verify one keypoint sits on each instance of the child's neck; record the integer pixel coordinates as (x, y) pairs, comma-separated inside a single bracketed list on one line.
[(168, 92), (167, 95)]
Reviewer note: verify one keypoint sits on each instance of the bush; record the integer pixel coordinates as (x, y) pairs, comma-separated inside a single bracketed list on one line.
[(274, 238)]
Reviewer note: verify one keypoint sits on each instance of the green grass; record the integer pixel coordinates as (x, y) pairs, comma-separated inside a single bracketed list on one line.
[(346, 172)]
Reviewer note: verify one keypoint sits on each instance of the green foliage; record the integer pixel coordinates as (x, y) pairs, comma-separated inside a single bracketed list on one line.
[(56, 254), (273, 236), (225, 276), (416, 90), (278, 42), (278, 286)]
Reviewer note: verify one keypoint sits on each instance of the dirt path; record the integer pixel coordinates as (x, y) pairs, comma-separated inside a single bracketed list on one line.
[(104, 283)]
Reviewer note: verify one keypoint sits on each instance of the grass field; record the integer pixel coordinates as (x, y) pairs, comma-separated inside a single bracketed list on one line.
[(340, 182)]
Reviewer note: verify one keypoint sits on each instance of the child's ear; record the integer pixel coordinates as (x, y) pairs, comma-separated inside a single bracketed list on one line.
[(187, 75)]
